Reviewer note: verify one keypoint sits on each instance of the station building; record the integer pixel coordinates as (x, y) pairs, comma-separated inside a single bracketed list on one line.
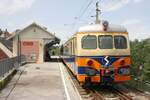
[(33, 41)]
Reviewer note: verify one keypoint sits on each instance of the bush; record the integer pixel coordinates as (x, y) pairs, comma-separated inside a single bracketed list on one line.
[(140, 55)]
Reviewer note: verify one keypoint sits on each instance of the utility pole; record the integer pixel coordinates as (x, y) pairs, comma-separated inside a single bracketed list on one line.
[(98, 11)]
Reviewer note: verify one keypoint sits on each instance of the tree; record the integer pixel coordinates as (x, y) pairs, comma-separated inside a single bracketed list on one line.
[(146, 71), (140, 54)]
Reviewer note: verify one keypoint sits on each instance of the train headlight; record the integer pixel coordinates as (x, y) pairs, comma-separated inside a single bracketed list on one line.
[(90, 72), (122, 62), (89, 62), (124, 71)]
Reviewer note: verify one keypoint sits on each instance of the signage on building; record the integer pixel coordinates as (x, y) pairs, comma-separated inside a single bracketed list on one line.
[(27, 43)]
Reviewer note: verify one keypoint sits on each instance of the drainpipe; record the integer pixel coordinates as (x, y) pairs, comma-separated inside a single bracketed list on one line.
[(18, 50)]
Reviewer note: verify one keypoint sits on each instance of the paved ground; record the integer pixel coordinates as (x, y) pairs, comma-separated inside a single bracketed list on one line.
[(47, 81)]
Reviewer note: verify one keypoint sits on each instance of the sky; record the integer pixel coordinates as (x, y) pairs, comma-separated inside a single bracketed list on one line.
[(64, 17)]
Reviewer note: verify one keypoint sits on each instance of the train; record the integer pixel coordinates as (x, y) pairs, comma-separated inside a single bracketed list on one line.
[(99, 54)]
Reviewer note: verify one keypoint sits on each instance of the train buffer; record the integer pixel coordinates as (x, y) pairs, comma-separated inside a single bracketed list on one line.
[(47, 81)]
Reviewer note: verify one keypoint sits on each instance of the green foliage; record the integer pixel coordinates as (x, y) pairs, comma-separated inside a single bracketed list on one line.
[(55, 50), (140, 54), (146, 72)]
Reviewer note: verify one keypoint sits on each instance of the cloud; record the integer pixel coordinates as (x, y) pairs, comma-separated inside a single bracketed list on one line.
[(137, 29), (131, 22), (13, 25), (112, 5), (13, 6), (138, 1)]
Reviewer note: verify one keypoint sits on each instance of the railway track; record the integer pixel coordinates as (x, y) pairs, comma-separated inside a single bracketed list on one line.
[(122, 95), (97, 95)]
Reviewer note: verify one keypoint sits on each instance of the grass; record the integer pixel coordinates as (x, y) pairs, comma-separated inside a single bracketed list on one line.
[(139, 85)]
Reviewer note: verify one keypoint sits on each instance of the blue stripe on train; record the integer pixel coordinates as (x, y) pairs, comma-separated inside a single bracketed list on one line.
[(69, 59), (81, 70), (103, 62), (101, 59)]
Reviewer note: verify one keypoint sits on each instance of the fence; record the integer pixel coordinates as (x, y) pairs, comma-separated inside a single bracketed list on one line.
[(7, 65)]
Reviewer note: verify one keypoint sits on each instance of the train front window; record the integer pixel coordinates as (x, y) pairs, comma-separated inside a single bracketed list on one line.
[(105, 42), (120, 42), (89, 42)]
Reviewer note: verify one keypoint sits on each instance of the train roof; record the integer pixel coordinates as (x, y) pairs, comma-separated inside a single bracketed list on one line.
[(100, 28)]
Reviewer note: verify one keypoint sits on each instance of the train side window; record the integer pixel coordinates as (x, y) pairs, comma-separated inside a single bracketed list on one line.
[(120, 42), (70, 48), (73, 46), (105, 41), (66, 50), (89, 42)]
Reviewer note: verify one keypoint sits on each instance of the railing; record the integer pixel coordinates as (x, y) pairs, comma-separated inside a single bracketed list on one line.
[(9, 64)]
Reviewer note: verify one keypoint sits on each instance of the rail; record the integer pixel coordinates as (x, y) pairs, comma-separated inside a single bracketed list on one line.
[(97, 95), (122, 94), (7, 65)]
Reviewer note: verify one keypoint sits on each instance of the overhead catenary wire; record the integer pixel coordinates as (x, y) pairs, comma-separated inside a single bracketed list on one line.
[(82, 7), (82, 13), (85, 9), (98, 11)]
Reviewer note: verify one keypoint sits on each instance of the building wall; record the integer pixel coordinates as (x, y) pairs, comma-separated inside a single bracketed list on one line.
[(35, 49), (15, 46), (6, 50), (2, 55), (31, 50), (32, 34)]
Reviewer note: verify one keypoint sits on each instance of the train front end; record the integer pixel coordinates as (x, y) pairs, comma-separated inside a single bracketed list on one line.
[(103, 56)]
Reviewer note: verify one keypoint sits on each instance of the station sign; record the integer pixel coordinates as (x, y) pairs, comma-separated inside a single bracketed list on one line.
[(27, 43)]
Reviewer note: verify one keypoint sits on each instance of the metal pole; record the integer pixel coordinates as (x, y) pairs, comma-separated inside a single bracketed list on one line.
[(18, 50), (97, 13)]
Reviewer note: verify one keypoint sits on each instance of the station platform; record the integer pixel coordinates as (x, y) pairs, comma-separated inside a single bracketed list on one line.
[(47, 81)]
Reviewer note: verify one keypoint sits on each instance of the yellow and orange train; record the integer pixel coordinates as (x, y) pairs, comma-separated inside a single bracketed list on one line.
[(99, 53)]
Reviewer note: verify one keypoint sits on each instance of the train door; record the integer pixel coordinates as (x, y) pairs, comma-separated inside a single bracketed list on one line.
[(74, 55)]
